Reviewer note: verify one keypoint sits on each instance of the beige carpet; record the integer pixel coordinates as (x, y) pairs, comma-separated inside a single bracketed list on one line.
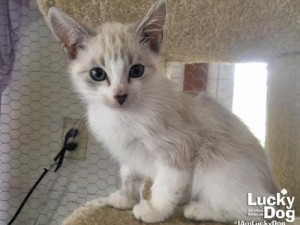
[(205, 30), (96, 213)]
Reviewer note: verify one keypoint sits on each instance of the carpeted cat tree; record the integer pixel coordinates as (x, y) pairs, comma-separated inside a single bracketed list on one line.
[(219, 31)]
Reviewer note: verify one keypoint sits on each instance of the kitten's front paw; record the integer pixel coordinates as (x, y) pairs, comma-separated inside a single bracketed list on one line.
[(190, 210), (198, 211), (143, 211), (119, 201)]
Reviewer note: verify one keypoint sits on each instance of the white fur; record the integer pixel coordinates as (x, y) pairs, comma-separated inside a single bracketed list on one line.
[(193, 149)]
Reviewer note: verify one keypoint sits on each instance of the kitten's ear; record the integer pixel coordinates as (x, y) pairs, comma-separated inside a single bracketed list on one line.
[(150, 29), (69, 32)]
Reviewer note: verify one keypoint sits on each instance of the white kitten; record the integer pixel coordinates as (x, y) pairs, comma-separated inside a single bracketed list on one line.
[(192, 148)]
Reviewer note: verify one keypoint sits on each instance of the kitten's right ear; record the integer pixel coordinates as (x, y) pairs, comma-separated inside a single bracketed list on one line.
[(69, 32), (150, 29)]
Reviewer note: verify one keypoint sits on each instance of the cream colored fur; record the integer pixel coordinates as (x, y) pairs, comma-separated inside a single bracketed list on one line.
[(195, 150)]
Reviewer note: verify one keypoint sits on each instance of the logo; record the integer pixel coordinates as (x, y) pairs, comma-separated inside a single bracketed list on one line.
[(278, 206)]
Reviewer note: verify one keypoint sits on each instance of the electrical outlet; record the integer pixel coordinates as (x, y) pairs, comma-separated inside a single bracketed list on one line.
[(80, 152)]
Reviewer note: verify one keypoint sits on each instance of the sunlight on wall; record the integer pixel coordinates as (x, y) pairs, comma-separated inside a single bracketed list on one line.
[(249, 96)]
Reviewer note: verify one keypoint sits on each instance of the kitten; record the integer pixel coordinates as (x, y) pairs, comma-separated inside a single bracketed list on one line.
[(194, 150)]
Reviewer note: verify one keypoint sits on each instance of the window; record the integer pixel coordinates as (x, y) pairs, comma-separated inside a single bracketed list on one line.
[(249, 96)]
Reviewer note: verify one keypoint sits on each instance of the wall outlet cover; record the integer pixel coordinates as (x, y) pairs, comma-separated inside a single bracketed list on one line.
[(80, 152)]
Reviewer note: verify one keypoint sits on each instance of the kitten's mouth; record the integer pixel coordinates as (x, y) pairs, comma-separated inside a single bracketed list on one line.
[(116, 105)]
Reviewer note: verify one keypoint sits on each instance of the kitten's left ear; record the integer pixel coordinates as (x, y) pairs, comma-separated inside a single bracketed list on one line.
[(150, 29)]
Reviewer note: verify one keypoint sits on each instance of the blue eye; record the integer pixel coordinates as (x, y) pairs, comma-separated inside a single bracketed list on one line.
[(136, 71), (98, 74)]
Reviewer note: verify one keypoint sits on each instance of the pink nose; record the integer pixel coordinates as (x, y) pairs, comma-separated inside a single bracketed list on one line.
[(121, 98)]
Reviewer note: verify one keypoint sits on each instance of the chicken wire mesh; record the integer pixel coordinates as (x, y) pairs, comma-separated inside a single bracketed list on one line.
[(33, 107)]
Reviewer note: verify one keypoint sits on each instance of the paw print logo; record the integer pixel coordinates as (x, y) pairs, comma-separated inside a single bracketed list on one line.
[(284, 191)]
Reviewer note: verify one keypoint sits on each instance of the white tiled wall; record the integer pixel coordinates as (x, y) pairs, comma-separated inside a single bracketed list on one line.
[(220, 82), (31, 133), (175, 72)]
